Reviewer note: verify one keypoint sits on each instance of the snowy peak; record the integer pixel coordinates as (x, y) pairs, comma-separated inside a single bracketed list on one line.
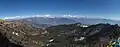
[(75, 16)]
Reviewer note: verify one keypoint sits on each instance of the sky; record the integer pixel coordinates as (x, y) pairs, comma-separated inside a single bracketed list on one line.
[(89, 8)]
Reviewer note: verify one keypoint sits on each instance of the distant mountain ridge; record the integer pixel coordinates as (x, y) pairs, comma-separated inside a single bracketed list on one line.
[(64, 20)]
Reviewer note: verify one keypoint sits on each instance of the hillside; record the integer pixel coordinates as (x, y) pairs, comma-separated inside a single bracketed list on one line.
[(4, 42), (92, 36), (66, 35), (21, 33)]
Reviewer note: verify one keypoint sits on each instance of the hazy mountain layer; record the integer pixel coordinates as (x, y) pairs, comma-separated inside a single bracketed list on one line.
[(47, 21)]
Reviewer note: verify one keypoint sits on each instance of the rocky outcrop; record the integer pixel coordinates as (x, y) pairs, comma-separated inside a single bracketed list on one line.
[(21, 33), (4, 42)]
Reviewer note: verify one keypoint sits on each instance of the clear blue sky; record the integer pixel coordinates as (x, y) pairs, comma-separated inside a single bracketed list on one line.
[(99, 8)]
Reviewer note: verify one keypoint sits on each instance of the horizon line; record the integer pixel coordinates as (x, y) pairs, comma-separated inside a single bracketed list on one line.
[(62, 16)]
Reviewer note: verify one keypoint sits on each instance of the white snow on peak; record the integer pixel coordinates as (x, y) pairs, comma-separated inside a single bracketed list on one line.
[(70, 16), (73, 16)]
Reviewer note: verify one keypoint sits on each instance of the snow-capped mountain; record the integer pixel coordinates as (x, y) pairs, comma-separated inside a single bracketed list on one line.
[(55, 20)]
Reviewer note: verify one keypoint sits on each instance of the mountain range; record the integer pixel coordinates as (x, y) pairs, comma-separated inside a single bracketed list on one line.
[(49, 21)]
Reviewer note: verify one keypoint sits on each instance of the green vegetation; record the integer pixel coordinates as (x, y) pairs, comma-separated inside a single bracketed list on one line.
[(1, 20)]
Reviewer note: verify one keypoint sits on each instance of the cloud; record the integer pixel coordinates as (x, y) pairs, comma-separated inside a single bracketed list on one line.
[(66, 16), (21, 17), (14, 17)]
